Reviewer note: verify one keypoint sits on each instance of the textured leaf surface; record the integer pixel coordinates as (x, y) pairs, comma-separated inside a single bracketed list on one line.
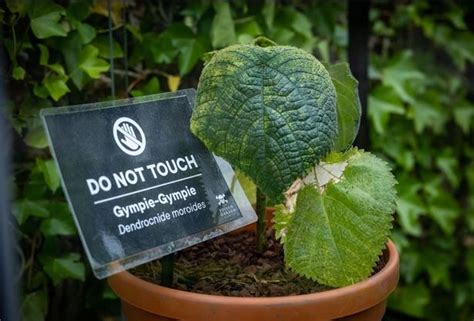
[(271, 112), (338, 231)]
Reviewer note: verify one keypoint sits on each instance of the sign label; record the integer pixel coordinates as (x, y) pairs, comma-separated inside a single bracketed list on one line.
[(138, 182)]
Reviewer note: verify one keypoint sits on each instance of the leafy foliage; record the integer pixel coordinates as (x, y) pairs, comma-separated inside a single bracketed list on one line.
[(415, 105), (270, 111)]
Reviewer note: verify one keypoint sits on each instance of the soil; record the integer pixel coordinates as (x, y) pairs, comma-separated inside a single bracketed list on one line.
[(229, 265)]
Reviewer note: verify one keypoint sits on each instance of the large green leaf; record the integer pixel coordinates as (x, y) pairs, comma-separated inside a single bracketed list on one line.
[(271, 112), (341, 219), (348, 105)]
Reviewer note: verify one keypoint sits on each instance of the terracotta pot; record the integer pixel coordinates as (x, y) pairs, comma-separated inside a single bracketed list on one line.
[(363, 301)]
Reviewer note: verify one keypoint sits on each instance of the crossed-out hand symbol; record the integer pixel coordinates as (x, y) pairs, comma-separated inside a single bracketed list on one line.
[(129, 138)]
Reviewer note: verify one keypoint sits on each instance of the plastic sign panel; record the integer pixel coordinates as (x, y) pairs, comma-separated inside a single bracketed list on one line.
[(140, 185)]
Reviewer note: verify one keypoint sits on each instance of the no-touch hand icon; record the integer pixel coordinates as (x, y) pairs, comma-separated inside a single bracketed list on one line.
[(129, 136)]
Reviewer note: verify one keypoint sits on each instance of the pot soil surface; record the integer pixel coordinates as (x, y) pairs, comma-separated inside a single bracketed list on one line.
[(230, 265)]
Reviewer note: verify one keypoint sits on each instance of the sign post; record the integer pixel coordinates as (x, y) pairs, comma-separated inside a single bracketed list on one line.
[(139, 184)]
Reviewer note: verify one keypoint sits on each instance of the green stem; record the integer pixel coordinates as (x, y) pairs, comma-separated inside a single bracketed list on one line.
[(261, 222), (167, 270)]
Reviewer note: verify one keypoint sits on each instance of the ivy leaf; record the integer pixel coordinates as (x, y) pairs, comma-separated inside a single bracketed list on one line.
[(427, 112), (223, 29), (383, 101), (25, 208), (69, 266), (411, 265), (410, 299), (36, 136), (45, 20), (90, 63), (60, 221), (150, 88), (398, 74), (164, 49), (101, 7), (409, 208), (191, 51), (44, 61), (268, 12), (293, 27), (438, 269), (34, 306), (348, 105), (50, 173), (78, 10), (71, 48), (338, 231), (247, 30), (86, 31), (56, 86), (464, 116), (18, 73), (296, 20), (44, 55), (179, 39), (40, 91), (444, 210), (272, 135), (449, 165), (102, 43), (18, 6)]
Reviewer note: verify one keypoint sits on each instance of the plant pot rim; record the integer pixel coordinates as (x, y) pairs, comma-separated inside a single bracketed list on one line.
[(183, 304)]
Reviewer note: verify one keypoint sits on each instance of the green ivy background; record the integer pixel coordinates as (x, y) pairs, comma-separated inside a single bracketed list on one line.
[(421, 115)]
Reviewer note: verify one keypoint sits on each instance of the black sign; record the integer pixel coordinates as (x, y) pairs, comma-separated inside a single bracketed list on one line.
[(139, 183)]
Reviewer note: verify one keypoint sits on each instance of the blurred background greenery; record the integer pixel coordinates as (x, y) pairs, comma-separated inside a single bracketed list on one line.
[(421, 116)]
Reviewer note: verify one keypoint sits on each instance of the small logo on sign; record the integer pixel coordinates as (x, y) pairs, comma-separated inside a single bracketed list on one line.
[(129, 136), (221, 199)]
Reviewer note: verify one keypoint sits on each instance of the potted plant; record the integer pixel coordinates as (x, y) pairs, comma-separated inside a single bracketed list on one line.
[(288, 122)]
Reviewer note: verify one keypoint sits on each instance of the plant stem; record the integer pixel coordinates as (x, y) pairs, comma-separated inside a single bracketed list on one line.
[(261, 222), (167, 270)]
